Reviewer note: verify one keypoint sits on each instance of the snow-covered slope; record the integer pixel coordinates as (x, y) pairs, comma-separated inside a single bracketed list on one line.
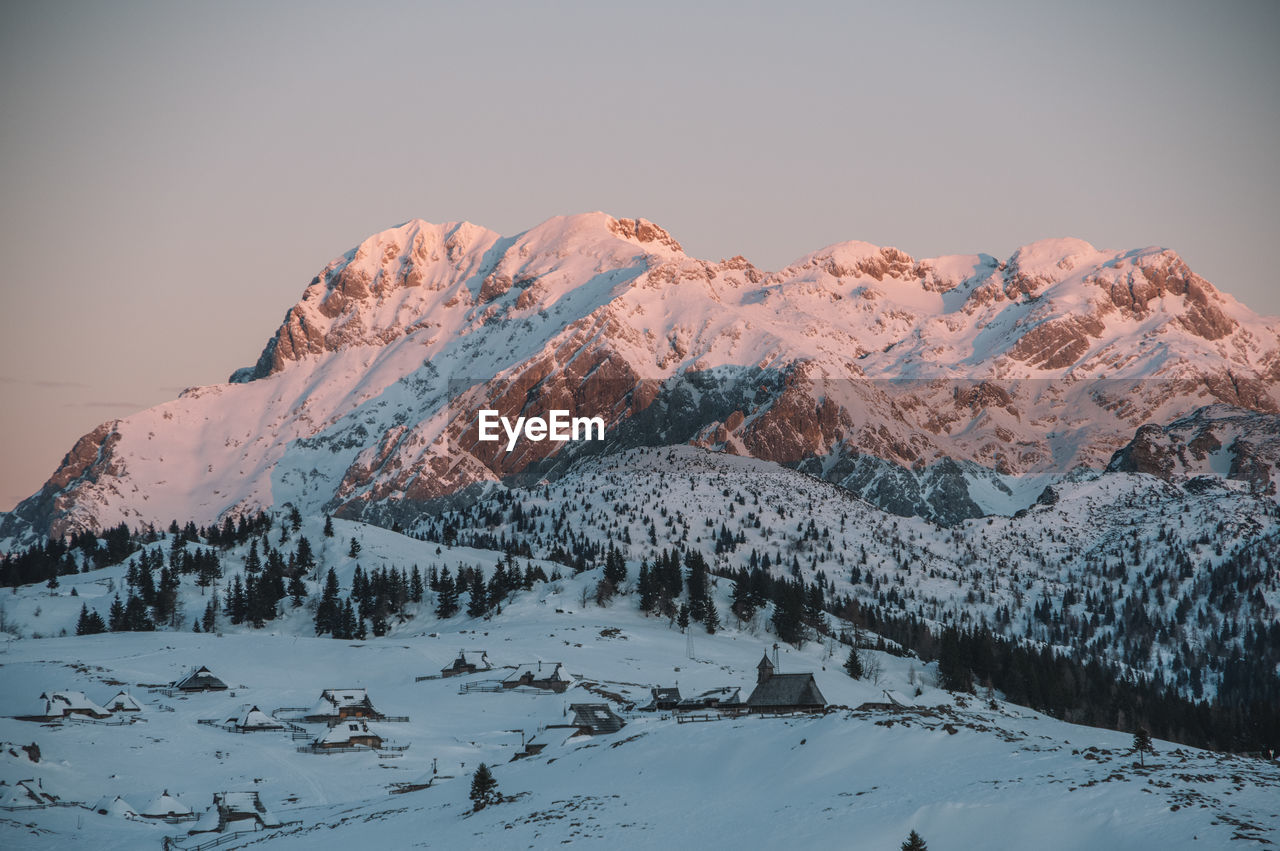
[(952, 772), (868, 366)]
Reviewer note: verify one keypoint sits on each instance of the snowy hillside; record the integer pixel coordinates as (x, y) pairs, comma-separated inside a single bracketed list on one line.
[(950, 771), (924, 386)]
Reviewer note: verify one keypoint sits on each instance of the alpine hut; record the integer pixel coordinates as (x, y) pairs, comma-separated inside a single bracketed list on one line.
[(593, 719), (66, 704), (337, 704), (166, 807), (200, 679), (123, 702), (254, 720), (353, 733), (549, 676), (468, 662)]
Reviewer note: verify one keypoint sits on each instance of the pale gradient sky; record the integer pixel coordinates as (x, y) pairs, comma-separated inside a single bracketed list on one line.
[(172, 174)]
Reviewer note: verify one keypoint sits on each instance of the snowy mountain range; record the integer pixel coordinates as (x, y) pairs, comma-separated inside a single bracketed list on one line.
[(947, 388), (1028, 496)]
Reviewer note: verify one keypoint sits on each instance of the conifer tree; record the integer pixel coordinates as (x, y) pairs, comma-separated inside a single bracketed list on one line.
[(647, 587), (115, 616), (236, 601), (353, 551), (478, 604), (853, 665), (328, 526), (1142, 744), (329, 611), (682, 619), (447, 596), (914, 843), (711, 618), (90, 622), (297, 590), (742, 604), (303, 558), (484, 788), (615, 567), (136, 617), (415, 586)]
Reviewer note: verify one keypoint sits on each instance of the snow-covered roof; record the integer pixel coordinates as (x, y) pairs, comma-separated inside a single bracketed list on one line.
[(897, 698), (597, 717), (114, 806), (26, 793), (721, 693), (166, 805), (333, 699), (59, 703), (254, 718), (345, 731), (782, 691), (475, 658), (538, 671), (247, 803), (123, 702), (200, 678)]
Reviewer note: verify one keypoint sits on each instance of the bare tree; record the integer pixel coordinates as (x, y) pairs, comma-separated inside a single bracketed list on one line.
[(872, 666)]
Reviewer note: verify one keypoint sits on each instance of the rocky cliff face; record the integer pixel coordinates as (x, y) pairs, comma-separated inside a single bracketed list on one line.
[(1217, 441), (931, 387)]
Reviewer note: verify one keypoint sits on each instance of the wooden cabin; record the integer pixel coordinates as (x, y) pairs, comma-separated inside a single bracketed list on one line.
[(594, 719), (549, 676), (254, 720), (66, 704), (663, 700), (468, 662), (166, 807), (724, 697), (233, 807), (200, 679), (123, 702), (338, 704), (783, 693), (352, 733)]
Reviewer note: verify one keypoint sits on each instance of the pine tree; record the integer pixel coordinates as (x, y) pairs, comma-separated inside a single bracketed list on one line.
[(1142, 744), (415, 586), (953, 669), (136, 617), (353, 551), (328, 526), (615, 567), (347, 624), (90, 622), (914, 843), (236, 601), (303, 559), (853, 665), (484, 788), (478, 604), (682, 619), (711, 620), (115, 616), (210, 615), (742, 604), (94, 624), (297, 590), (647, 587), (447, 596), (329, 611)]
